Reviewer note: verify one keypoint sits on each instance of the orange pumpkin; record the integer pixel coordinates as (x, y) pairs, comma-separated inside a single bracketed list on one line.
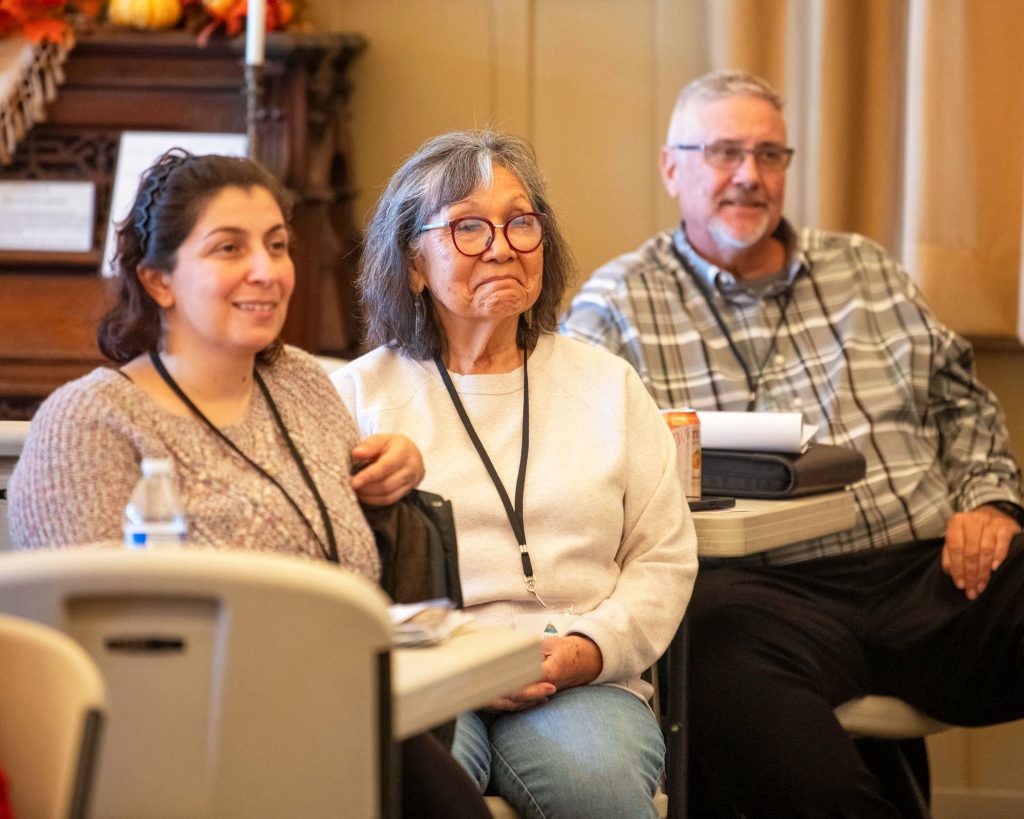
[(147, 14), (218, 8)]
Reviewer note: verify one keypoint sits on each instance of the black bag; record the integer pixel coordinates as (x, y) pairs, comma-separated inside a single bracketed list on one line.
[(418, 548), (419, 557), (744, 474)]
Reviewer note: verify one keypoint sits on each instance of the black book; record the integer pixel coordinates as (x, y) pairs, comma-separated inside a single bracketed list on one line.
[(745, 474)]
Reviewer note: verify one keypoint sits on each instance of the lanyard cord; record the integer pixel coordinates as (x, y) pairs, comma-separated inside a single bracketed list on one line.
[(753, 384), (515, 514), (330, 552)]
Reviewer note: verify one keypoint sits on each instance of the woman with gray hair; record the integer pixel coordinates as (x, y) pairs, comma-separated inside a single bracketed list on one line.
[(570, 516)]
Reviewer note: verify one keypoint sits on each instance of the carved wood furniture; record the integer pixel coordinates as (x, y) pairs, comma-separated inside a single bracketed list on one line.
[(163, 81)]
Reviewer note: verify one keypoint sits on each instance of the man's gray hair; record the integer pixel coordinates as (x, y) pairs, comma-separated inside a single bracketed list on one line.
[(721, 84), (445, 170)]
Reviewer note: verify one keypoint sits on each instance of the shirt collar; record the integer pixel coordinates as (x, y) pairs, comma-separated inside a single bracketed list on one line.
[(717, 278)]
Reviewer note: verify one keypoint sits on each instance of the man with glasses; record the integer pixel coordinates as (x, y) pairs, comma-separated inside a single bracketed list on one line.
[(924, 597)]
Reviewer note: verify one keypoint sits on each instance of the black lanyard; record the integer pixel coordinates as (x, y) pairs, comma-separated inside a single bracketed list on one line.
[(515, 513), (753, 383), (330, 552)]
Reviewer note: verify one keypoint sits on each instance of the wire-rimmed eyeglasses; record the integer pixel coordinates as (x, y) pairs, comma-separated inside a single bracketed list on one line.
[(769, 156), (473, 235)]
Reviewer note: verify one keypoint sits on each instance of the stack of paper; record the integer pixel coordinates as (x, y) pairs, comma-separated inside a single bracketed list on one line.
[(427, 623), (755, 431)]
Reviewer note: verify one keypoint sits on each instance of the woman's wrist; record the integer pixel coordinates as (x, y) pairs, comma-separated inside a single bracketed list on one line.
[(588, 659)]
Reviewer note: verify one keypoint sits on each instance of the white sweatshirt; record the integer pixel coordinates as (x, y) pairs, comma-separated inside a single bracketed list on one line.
[(606, 522)]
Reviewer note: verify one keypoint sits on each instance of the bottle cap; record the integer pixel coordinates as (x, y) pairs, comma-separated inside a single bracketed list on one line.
[(156, 466)]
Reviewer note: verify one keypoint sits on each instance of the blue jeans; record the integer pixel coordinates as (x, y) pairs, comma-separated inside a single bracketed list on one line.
[(589, 752)]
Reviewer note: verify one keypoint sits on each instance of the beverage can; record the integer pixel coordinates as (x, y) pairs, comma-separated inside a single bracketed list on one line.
[(685, 427)]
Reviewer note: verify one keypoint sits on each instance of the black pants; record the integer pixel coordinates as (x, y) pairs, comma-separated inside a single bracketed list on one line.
[(773, 649)]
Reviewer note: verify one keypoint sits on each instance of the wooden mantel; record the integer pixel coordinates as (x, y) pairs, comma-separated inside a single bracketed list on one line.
[(163, 81)]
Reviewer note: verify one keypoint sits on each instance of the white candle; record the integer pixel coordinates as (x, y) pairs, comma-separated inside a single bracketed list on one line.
[(255, 32)]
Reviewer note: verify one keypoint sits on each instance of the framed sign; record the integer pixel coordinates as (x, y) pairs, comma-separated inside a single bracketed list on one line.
[(140, 149), (47, 216)]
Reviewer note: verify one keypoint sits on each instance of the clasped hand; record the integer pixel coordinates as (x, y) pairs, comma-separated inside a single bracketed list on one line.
[(976, 545), (568, 662)]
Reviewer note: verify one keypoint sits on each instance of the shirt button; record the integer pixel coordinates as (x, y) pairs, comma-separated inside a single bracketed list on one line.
[(779, 360), (797, 403)]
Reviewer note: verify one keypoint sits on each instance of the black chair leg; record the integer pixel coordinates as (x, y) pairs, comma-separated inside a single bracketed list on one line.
[(901, 768), (673, 683)]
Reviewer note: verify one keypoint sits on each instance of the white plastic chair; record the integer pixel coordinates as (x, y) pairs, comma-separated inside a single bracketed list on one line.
[(239, 684), (12, 439), (331, 363), (500, 809), (51, 714), (893, 719)]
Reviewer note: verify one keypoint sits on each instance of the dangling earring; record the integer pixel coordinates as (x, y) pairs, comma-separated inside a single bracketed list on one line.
[(417, 304), (528, 318)]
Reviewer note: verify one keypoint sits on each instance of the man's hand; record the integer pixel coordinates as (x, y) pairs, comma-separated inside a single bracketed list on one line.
[(394, 466), (976, 545), (568, 662)]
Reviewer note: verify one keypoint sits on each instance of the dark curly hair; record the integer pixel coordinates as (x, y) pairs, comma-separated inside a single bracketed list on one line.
[(171, 196), (447, 169)]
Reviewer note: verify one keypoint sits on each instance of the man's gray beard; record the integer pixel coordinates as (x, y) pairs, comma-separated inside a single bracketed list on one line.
[(725, 238)]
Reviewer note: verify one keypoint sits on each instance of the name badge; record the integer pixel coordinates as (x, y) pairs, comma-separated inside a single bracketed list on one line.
[(555, 621)]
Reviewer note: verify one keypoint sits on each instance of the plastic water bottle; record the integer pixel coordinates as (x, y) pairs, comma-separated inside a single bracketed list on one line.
[(154, 517)]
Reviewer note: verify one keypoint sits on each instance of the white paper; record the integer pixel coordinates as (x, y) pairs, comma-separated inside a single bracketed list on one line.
[(427, 623), (755, 431), (139, 150), (47, 216)]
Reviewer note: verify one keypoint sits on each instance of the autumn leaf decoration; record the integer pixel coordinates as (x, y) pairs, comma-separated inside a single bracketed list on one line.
[(44, 20), (231, 15)]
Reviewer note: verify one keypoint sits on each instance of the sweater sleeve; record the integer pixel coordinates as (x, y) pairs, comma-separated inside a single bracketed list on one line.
[(73, 479), (657, 553)]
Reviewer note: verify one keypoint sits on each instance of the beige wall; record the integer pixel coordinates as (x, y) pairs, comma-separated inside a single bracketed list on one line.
[(590, 83), (1003, 371)]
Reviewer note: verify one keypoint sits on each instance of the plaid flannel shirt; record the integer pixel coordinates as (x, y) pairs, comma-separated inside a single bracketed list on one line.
[(843, 337)]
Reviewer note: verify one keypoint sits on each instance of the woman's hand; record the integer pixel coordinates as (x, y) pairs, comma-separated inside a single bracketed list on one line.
[(394, 466), (568, 662), (527, 697), (571, 661)]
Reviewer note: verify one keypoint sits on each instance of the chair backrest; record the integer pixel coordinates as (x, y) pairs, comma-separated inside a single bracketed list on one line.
[(51, 710), (240, 684), (12, 439), (331, 363)]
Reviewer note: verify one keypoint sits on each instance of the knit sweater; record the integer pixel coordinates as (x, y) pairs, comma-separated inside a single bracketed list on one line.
[(606, 522), (81, 462)]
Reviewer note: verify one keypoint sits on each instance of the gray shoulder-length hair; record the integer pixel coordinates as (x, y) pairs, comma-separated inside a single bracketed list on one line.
[(445, 170)]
